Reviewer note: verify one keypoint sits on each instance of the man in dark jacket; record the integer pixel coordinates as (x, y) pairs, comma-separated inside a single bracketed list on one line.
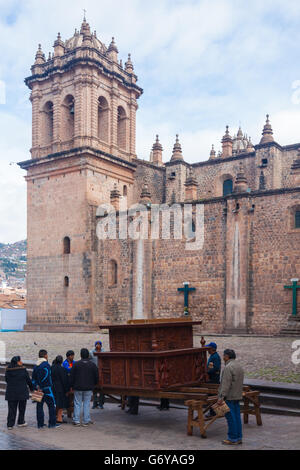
[(83, 379), (18, 381), (42, 380)]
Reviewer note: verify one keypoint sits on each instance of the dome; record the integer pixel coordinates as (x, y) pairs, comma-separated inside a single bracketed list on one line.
[(240, 143), (77, 39)]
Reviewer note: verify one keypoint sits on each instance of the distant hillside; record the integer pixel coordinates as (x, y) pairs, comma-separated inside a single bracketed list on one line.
[(13, 260)]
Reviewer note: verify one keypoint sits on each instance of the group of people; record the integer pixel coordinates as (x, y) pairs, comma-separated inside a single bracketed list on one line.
[(67, 379), (66, 384)]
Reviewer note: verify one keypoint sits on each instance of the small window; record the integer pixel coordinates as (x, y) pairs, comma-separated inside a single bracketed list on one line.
[(227, 187), (67, 246), (113, 273), (124, 190), (264, 161), (297, 219), (66, 281)]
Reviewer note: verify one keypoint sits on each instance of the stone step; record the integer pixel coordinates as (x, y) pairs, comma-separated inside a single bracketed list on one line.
[(279, 410), (280, 388), (287, 401)]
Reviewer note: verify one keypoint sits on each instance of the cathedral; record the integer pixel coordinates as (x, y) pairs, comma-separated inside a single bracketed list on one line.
[(243, 280)]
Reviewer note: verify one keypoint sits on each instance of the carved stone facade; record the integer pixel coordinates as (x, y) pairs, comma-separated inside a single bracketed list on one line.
[(84, 105)]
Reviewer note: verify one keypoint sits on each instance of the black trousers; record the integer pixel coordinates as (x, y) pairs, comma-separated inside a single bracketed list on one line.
[(133, 404), (98, 398), (12, 412)]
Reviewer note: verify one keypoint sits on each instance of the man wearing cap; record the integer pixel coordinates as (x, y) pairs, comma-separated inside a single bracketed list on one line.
[(213, 364), (213, 369), (98, 398)]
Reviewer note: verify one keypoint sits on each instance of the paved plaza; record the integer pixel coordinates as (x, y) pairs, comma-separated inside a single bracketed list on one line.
[(151, 429), (267, 358)]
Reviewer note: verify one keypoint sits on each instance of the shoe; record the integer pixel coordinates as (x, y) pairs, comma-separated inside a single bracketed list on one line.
[(101, 407), (240, 442), (85, 424), (94, 407), (42, 427), (226, 442), (55, 427), (76, 424), (91, 422), (24, 425), (10, 428)]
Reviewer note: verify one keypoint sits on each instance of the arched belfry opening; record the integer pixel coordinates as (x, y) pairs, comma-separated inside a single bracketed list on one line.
[(103, 119), (67, 246), (122, 120), (47, 127), (68, 121)]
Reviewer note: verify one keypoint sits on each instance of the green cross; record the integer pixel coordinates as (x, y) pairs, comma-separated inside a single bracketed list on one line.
[(186, 290), (294, 287)]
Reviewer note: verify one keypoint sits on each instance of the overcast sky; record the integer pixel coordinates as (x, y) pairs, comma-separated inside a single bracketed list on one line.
[(203, 64)]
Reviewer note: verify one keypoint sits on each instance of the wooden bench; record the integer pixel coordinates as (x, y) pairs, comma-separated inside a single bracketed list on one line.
[(251, 406)]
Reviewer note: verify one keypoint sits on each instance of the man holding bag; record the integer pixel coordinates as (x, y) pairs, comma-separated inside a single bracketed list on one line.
[(231, 392)]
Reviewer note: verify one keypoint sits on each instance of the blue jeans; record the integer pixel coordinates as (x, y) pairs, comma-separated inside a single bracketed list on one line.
[(82, 398), (234, 421)]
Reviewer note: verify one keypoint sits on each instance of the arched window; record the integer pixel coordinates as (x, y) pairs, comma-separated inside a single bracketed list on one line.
[(67, 246), (47, 130), (227, 187), (103, 119), (66, 281), (297, 219), (124, 190), (113, 273), (68, 113), (121, 128)]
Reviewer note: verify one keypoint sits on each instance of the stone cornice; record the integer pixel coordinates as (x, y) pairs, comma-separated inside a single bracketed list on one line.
[(139, 161), (268, 145), (217, 161), (82, 61), (25, 165)]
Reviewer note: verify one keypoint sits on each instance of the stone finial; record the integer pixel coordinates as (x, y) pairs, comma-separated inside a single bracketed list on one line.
[(39, 56), (267, 134), (112, 51), (241, 183), (177, 152), (145, 197), (129, 65), (191, 186), (250, 147), (213, 152), (157, 150), (115, 197), (227, 144), (240, 134), (85, 30), (59, 46)]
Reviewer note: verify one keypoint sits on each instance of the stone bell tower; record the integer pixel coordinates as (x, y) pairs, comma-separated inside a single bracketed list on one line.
[(84, 105)]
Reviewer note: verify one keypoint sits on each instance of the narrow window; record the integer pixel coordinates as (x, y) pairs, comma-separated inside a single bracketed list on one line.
[(113, 273), (227, 187), (297, 219), (68, 113), (121, 128), (103, 117), (66, 281), (67, 246), (124, 190), (47, 128)]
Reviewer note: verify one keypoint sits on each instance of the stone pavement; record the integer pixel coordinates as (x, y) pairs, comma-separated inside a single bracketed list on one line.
[(151, 429), (263, 358)]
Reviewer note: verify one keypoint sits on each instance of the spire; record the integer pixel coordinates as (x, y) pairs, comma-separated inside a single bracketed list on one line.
[(213, 152), (156, 153), (240, 134), (177, 152), (129, 65), (85, 30), (250, 147), (40, 56), (227, 144), (59, 46), (112, 51), (112, 46), (267, 134)]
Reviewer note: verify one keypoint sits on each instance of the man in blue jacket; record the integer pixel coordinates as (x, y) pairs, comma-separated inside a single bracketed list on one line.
[(213, 369), (41, 380)]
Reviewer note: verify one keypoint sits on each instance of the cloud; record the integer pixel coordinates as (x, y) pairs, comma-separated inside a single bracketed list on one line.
[(202, 63)]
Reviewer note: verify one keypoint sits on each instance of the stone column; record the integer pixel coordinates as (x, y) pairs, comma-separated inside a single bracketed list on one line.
[(114, 120), (132, 127), (35, 98)]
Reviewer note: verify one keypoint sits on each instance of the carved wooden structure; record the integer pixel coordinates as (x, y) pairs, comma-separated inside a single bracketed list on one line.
[(151, 356)]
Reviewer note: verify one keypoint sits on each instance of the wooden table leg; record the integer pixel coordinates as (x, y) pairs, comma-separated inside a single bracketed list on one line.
[(201, 422), (189, 423), (246, 410)]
